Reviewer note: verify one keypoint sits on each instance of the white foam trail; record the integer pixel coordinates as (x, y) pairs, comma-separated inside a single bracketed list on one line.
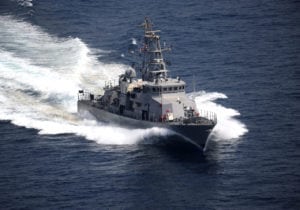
[(40, 75), (39, 78), (228, 127), (24, 3), (121, 135)]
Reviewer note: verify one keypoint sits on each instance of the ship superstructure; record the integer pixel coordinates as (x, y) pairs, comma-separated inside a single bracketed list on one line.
[(154, 100)]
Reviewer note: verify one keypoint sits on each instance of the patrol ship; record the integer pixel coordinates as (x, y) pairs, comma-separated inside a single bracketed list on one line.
[(154, 100)]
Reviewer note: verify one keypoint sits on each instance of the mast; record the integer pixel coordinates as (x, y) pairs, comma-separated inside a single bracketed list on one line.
[(153, 66)]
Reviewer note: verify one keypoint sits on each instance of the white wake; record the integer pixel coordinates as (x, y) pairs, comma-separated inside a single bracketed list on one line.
[(24, 3), (40, 75), (228, 126)]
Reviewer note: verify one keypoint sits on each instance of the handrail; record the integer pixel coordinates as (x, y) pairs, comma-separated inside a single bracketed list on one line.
[(151, 116), (208, 115)]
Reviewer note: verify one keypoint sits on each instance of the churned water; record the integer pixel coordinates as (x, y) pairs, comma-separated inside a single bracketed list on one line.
[(244, 59)]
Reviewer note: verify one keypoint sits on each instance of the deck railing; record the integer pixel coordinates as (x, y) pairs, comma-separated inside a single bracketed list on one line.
[(208, 115), (151, 116)]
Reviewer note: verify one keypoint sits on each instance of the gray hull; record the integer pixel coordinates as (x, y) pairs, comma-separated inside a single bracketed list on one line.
[(196, 134)]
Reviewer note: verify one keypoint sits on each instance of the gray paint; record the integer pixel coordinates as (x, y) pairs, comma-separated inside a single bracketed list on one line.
[(155, 100)]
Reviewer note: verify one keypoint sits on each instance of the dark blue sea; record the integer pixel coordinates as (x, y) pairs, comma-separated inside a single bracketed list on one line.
[(244, 57)]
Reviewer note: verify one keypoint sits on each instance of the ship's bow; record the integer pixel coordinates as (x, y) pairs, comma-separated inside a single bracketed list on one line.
[(197, 134)]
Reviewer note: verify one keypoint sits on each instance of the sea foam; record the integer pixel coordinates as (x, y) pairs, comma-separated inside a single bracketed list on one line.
[(40, 75)]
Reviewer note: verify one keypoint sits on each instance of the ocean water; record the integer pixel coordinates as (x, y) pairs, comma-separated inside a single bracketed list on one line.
[(245, 58)]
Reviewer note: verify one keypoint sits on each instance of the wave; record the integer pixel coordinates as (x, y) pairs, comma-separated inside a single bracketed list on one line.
[(228, 126), (40, 75), (24, 3)]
